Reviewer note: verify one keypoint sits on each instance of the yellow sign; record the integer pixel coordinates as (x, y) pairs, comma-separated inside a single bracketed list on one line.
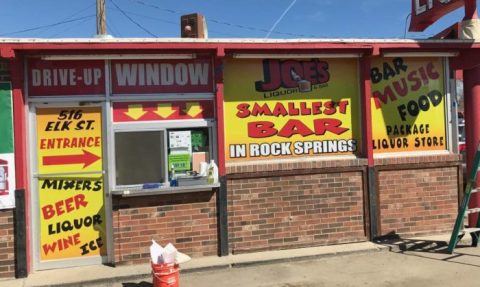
[(408, 104), (71, 198), (288, 108), (69, 140)]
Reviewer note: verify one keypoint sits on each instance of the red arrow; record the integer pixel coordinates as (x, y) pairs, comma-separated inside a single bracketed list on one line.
[(87, 158)]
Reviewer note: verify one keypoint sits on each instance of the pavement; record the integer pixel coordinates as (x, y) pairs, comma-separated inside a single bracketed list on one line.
[(102, 275), (422, 260)]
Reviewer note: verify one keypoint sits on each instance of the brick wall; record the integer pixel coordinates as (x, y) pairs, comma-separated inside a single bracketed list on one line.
[(7, 256), (418, 200), (296, 210), (188, 221), (4, 71)]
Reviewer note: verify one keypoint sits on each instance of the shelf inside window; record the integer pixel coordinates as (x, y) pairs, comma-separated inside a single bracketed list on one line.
[(163, 191)]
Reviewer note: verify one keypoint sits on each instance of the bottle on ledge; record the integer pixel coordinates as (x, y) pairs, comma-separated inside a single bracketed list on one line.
[(212, 173), (173, 176)]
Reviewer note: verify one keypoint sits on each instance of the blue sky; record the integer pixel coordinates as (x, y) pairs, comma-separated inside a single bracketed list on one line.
[(225, 18)]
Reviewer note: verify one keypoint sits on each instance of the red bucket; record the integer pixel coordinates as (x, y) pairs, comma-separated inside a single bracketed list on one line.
[(165, 275)]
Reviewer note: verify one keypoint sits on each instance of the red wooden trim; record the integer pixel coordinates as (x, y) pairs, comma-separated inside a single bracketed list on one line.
[(366, 89), (104, 48), (333, 46), (218, 74), (20, 141)]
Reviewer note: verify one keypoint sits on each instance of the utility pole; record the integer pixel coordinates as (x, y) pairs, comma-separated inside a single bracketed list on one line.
[(101, 19)]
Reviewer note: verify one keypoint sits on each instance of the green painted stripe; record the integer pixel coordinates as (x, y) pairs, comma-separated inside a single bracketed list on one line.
[(6, 118)]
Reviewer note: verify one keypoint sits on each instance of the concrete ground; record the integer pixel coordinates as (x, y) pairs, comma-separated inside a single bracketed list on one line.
[(378, 269), (410, 263), (394, 262)]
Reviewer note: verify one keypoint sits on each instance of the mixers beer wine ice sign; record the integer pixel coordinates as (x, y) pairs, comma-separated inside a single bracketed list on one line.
[(408, 104), (71, 200), (287, 108)]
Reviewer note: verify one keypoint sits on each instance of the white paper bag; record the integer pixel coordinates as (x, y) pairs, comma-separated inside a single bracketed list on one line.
[(156, 252), (169, 253)]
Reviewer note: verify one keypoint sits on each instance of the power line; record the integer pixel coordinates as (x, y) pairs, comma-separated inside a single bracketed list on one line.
[(133, 21), (150, 17), (223, 22), (70, 17), (156, 7), (48, 26), (68, 28), (171, 22), (111, 27), (406, 22)]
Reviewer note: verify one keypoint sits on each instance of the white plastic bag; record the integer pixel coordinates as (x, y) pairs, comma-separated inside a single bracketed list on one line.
[(167, 254)]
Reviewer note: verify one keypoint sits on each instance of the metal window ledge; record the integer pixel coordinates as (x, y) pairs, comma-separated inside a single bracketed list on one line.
[(164, 190)]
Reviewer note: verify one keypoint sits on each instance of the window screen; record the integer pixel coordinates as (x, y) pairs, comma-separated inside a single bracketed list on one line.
[(140, 157)]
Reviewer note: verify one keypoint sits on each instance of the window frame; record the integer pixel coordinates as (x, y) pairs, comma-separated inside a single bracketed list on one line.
[(165, 127)]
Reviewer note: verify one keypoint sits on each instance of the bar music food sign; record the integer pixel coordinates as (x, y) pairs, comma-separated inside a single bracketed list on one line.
[(287, 108), (408, 104)]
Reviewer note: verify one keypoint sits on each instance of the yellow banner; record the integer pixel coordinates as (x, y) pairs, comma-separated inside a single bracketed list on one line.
[(287, 108), (71, 187), (72, 218), (408, 104)]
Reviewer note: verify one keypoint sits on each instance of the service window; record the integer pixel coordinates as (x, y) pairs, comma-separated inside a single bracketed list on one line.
[(160, 149), (139, 157)]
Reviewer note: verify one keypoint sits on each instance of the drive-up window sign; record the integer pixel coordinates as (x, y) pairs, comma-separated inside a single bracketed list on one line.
[(55, 78), (162, 76)]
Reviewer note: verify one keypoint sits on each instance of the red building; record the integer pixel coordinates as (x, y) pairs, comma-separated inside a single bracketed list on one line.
[(317, 142)]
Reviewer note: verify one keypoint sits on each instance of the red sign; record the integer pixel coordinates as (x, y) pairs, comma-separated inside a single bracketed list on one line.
[(162, 76), (427, 12), (157, 111), (54, 78)]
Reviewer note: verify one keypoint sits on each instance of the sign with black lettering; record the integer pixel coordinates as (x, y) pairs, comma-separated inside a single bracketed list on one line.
[(72, 211), (408, 104)]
